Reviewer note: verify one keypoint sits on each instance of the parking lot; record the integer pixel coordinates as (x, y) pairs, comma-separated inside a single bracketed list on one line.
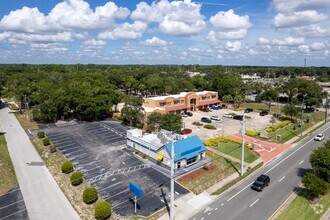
[(98, 150), (227, 126)]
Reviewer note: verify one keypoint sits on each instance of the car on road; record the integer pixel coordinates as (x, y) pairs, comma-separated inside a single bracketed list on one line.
[(189, 113), (227, 115), (206, 120), (261, 182), (215, 118), (248, 110), (263, 113), (319, 137), (238, 117), (186, 131)]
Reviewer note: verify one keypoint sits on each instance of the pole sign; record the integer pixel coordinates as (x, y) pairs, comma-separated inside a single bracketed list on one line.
[(135, 189)]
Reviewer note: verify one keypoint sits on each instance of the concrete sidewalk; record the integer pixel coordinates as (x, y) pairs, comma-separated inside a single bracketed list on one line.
[(42, 196)]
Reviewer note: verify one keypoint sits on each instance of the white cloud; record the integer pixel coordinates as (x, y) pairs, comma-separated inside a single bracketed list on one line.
[(154, 42), (303, 48), (289, 41), (316, 46), (125, 31), (298, 5), (313, 30), (194, 49), (230, 21), (4, 35), (59, 37), (262, 41), (94, 42), (66, 15), (233, 46), (230, 25), (297, 19), (178, 18)]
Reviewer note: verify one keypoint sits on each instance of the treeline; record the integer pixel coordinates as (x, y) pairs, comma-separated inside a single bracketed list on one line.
[(90, 91)]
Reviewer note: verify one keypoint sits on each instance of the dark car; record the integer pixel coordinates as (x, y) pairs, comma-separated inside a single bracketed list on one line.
[(206, 120), (263, 113), (248, 110), (216, 107), (189, 113), (238, 117), (186, 131), (276, 115), (261, 182)]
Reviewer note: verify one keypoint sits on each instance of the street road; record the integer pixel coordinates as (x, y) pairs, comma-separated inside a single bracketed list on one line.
[(42, 196), (285, 175)]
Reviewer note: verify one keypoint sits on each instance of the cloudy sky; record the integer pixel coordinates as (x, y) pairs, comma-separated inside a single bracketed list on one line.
[(225, 32)]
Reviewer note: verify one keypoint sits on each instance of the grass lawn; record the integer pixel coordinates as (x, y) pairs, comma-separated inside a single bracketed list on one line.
[(8, 178), (301, 208), (202, 179), (25, 122), (234, 149)]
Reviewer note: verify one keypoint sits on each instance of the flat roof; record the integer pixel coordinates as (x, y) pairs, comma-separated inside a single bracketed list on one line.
[(181, 95)]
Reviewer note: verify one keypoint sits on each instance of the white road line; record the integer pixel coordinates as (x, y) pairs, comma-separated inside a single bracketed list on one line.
[(209, 213), (216, 209), (254, 203), (301, 162), (29, 131), (238, 192), (222, 204), (177, 193), (202, 218), (281, 179)]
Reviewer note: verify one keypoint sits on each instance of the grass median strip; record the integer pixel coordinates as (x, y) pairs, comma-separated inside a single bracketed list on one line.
[(8, 178)]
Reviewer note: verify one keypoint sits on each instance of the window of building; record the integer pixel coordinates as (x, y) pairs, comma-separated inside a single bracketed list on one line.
[(182, 101), (204, 97), (208, 97), (214, 96), (162, 104), (176, 102), (191, 160), (168, 103)]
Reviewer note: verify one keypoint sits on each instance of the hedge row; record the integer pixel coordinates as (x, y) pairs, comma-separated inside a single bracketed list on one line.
[(212, 127), (277, 126), (252, 133), (215, 141)]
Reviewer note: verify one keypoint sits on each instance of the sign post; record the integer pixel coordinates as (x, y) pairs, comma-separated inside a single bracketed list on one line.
[(137, 191)]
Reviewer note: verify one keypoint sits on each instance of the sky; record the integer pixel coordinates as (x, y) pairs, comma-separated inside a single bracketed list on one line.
[(205, 32)]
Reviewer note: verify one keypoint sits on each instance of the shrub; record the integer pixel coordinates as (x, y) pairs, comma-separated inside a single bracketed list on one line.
[(90, 195), (41, 134), (277, 126), (239, 109), (286, 118), (314, 184), (197, 123), (76, 178), (247, 117), (210, 127), (52, 148), (46, 141), (67, 167), (102, 210), (252, 133)]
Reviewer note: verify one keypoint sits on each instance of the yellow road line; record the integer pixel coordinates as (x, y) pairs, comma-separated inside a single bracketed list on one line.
[(278, 209)]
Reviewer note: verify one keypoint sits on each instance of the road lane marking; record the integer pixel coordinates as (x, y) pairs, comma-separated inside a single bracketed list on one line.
[(216, 209), (209, 213), (238, 192), (222, 204), (281, 179), (301, 162), (254, 203)]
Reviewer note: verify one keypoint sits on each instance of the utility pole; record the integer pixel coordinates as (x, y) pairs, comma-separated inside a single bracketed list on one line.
[(243, 134), (172, 179), (326, 107), (305, 62), (302, 116)]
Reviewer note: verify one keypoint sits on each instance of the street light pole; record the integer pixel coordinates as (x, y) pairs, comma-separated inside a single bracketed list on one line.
[(243, 134), (172, 179), (302, 116)]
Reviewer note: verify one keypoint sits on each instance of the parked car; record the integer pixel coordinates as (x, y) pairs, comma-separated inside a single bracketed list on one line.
[(204, 110), (238, 117), (248, 110), (261, 182), (184, 115), (227, 115), (263, 113), (319, 137), (216, 107), (186, 131), (215, 118), (189, 113), (206, 120)]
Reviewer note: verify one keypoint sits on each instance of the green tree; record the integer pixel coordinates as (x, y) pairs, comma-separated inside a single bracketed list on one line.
[(292, 110), (314, 184), (172, 122), (268, 95), (133, 111), (320, 161), (154, 119)]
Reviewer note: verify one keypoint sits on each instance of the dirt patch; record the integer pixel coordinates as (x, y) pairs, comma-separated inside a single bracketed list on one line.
[(194, 175)]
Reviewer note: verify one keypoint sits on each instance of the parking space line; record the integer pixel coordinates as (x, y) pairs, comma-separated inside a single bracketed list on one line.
[(109, 186), (281, 179), (61, 142), (301, 162), (56, 135), (67, 145), (254, 203)]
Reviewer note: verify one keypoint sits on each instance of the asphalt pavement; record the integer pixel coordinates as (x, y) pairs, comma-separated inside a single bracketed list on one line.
[(12, 206), (42, 196), (285, 174)]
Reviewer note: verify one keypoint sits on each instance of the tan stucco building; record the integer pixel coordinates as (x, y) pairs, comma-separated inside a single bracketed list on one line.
[(185, 101)]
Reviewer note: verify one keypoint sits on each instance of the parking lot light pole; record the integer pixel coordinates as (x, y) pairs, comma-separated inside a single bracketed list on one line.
[(172, 179), (243, 134)]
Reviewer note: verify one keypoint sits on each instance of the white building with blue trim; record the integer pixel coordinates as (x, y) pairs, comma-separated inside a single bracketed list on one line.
[(187, 150)]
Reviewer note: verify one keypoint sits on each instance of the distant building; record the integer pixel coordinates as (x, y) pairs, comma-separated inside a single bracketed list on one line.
[(187, 150), (251, 78), (309, 78), (184, 101)]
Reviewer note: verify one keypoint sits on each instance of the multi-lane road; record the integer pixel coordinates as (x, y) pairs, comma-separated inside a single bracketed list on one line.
[(285, 173)]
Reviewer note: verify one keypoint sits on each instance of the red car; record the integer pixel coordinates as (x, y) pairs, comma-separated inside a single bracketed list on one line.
[(186, 131)]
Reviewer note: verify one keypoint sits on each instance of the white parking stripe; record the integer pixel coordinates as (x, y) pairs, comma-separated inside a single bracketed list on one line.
[(301, 162), (254, 203), (281, 179)]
